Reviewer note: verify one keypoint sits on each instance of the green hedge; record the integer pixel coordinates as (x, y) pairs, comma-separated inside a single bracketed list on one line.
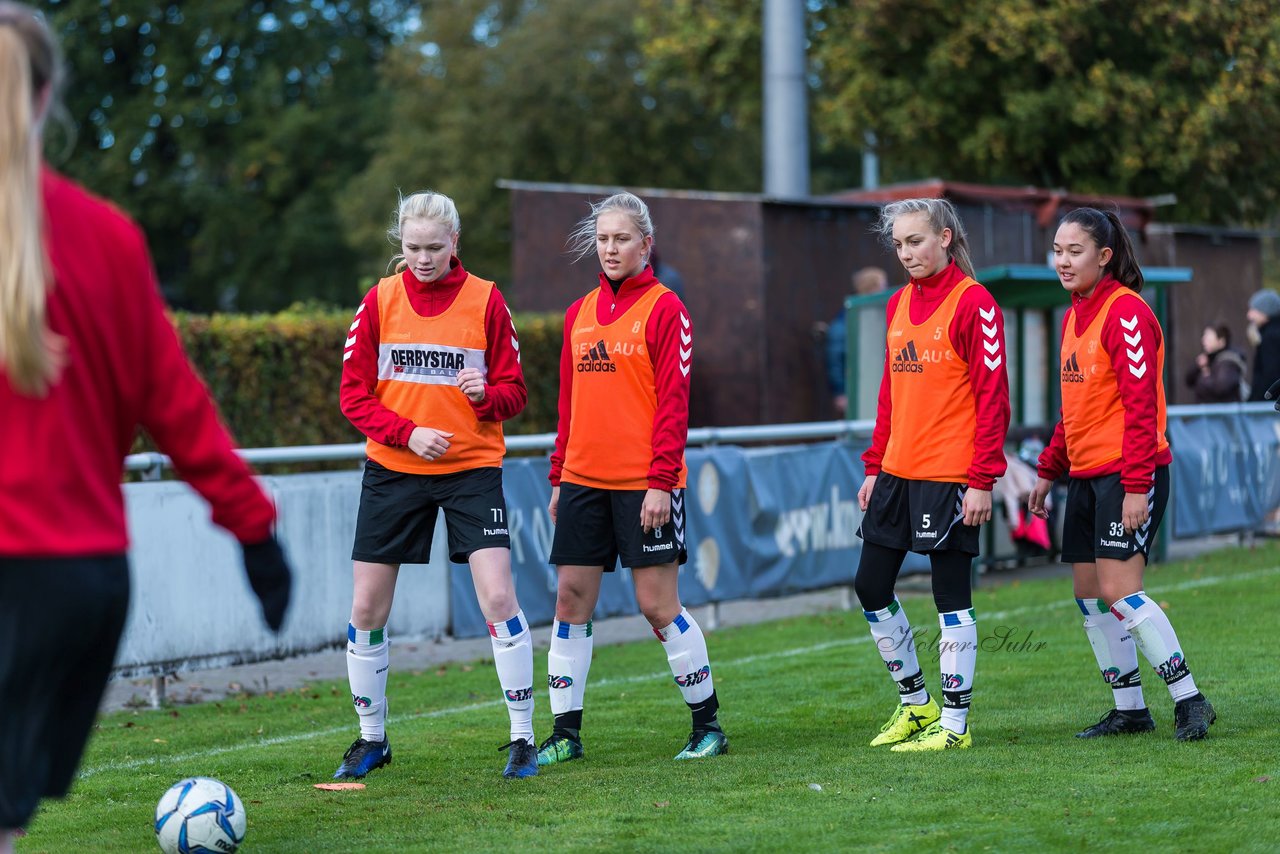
[(275, 377)]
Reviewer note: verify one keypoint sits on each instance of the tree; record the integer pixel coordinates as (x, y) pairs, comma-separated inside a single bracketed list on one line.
[(1178, 96), (228, 130), (541, 91), (1105, 96)]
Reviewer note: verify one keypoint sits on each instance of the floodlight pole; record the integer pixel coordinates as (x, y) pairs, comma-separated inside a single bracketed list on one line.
[(786, 100)]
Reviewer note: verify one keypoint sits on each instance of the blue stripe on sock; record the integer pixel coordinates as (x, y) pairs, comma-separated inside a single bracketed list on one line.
[(681, 623), (950, 619), (1083, 610), (1137, 600), (514, 626), (351, 632), (562, 630)]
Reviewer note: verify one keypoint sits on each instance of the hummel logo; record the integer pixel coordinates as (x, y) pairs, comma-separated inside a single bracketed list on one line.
[(596, 360), (1071, 372), (907, 360)]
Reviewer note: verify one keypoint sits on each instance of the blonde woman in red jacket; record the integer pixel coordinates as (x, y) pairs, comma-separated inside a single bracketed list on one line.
[(430, 371), (618, 472), (1111, 441), (87, 354), (937, 449)]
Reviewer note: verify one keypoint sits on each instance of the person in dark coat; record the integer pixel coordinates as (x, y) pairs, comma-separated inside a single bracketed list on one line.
[(1264, 323), (1219, 372)]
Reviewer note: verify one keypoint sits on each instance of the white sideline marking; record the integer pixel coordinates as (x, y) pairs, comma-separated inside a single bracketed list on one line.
[(183, 758)]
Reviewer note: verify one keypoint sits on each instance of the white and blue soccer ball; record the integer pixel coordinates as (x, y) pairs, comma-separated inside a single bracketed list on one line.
[(199, 815)]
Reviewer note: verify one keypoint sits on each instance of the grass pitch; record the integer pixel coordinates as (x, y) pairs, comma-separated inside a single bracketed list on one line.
[(800, 699)]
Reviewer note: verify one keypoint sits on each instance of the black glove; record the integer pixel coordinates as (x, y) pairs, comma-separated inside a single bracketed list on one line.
[(1273, 393), (270, 578)]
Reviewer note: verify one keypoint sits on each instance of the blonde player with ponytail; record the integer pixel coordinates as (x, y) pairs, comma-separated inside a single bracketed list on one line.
[(936, 452), (87, 355)]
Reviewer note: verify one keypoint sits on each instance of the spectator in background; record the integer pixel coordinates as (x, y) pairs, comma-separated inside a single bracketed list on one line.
[(1219, 371), (866, 281), (1264, 333)]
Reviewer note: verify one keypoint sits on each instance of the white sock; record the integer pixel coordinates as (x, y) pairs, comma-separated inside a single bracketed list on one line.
[(513, 659), (368, 659), (568, 663), (1116, 653), (957, 659), (1153, 633), (891, 630), (690, 664)]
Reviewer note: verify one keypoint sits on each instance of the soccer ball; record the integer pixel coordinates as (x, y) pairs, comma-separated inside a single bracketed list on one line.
[(197, 815)]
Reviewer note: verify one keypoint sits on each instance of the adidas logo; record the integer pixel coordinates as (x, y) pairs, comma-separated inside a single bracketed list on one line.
[(907, 360), (1071, 372), (596, 360)]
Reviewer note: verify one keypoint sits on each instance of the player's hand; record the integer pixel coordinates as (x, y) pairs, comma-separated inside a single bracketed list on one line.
[(864, 494), (655, 511), (555, 503), (1035, 501), (471, 381), (1133, 513), (977, 506), (1273, 393), (428, 443), (270, 578)]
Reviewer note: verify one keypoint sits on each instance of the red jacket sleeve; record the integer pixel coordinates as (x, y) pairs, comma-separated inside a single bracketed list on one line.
[(884, 403), (669, 337), (360, 380), (564, 406), (180, 416), (1053, 462), (978, 334), (505, 394), (1131, 335)]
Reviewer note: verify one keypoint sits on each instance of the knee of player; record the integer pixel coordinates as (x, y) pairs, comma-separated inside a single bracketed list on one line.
[(369, 612)]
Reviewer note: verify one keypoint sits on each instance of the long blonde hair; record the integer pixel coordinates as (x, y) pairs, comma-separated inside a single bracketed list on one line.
[(941, 214), (29, 67)]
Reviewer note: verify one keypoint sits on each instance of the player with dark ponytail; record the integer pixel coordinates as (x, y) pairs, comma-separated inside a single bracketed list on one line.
[(1111, 441)]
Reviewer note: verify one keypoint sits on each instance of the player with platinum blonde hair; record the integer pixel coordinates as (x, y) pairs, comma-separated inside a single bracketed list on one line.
[(431, 369)]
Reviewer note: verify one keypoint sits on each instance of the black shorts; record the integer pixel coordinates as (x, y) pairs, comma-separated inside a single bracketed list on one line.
[(398, 514), (918, 516), (1093, 525), (60, 624), (600, 527)]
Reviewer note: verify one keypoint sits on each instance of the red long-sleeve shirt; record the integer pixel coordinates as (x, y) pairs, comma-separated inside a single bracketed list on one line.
[(63, 454), (1139, 457), (665, 336), (505, 394), (990, 386)]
